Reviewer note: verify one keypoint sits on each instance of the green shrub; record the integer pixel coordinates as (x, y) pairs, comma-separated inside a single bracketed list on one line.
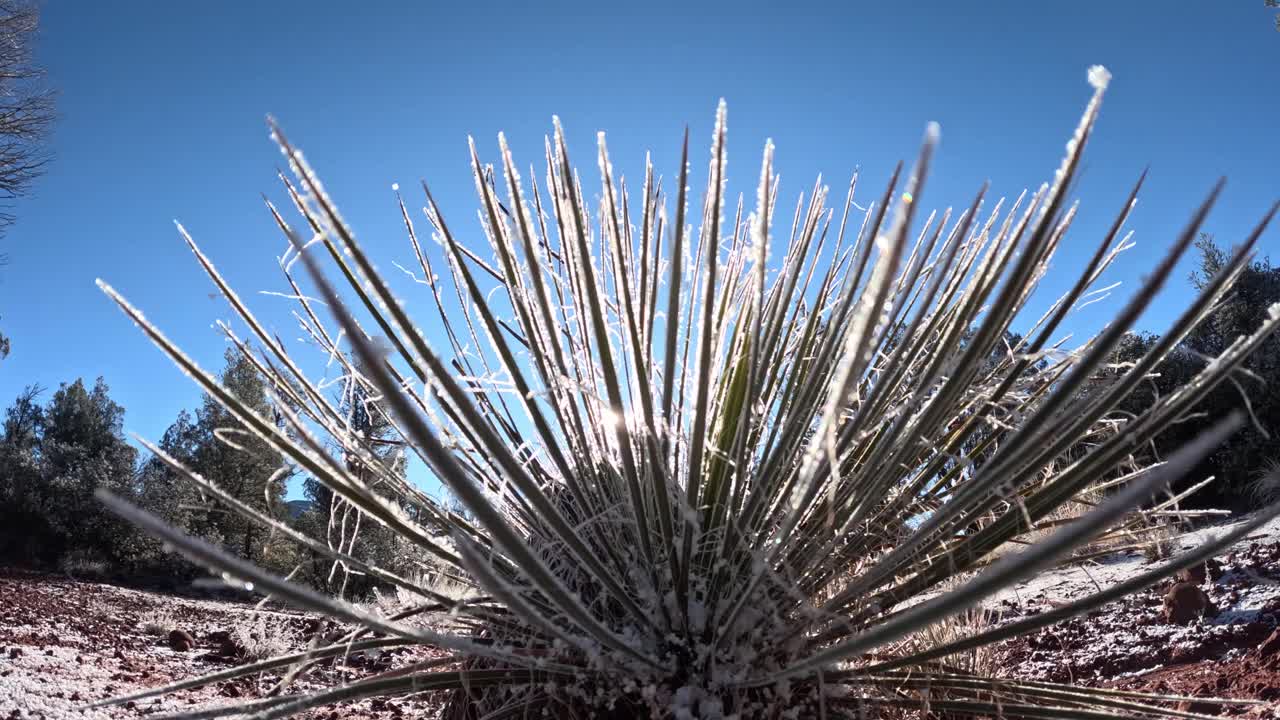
[(697, 487), (53, 457)]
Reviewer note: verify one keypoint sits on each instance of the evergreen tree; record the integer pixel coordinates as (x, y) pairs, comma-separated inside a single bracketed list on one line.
[(83, 449), (54, 458), (215, 445), (1240, 461), (178, 501), (23, 530), (241, 464)]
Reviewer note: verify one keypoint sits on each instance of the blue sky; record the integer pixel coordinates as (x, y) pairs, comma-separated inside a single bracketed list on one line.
[(162, 109)]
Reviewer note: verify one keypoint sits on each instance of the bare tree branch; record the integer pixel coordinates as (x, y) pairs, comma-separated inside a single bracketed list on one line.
[(26, 112), (26, 105)]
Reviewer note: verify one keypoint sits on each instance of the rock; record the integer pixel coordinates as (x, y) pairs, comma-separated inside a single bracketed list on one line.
[(231, 649), (181, 640), (1184, 603), (226, 644), (1195, 574)]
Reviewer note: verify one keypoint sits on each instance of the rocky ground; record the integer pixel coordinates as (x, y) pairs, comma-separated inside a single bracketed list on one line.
[(1214, 632), (65, 643)]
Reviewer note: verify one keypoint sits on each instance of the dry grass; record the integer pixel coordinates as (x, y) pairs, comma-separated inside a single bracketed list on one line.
[(262, 637), (159, 622), (83, 565), (1161, 544), (1265, 488), (400, 600), (982, 661)]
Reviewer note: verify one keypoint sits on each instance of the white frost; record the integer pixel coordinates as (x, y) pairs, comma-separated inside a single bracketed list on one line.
[(1099, 77)]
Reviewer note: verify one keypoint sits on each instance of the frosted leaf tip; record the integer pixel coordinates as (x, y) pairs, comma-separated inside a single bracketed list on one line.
[(1099, 77)]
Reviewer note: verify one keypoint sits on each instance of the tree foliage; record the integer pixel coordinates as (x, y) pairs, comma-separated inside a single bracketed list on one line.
[(1238, 463), (215, 445), (55, 455), (52, 459)]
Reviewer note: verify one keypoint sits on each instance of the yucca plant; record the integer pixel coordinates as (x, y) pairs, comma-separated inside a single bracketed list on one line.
[(709, 473)]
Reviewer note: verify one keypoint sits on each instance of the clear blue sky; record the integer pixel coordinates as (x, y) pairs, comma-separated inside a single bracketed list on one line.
[(162, 110)]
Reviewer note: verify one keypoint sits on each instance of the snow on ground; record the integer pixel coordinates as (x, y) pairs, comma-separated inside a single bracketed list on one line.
[(65, 644), (1074, 581), (1232, 650)]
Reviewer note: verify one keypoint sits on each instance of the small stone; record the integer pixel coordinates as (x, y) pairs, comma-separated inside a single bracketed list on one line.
[(227, 645), (1184, 603), (181, 640)]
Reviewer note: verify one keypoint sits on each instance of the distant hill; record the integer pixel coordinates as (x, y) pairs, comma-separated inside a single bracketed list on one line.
[(295, 508)]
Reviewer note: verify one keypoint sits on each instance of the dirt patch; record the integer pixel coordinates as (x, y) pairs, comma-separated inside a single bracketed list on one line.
[(1227, 651), (65, 644)]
